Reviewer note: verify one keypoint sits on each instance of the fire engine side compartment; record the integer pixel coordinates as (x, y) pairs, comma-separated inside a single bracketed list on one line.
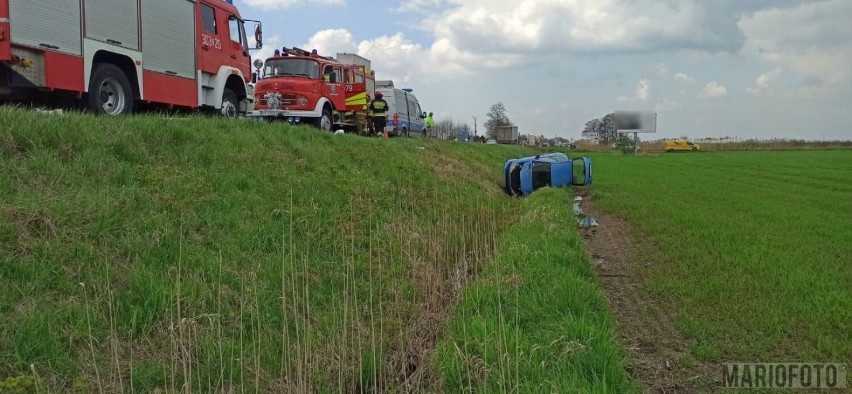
[(44, 45), (5, 38), (168, 57), (114, 22), (47, 24)]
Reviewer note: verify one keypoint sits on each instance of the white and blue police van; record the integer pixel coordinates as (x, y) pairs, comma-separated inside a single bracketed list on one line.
[(405, 117)]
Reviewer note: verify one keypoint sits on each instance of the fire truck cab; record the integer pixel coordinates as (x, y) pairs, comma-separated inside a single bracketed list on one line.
[(303, 87), (116, 54)]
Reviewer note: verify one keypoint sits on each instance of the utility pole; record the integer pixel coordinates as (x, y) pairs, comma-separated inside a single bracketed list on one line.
[(474, 127)]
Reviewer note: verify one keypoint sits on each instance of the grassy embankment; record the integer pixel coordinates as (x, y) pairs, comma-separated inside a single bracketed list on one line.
[(143, 253), (752, 249)]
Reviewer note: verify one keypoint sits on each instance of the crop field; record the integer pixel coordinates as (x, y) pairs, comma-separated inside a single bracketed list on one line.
[(145, 254), (748, 251)]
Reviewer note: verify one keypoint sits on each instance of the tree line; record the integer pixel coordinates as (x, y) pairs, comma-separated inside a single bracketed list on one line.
[(497, 116), (601, 129)]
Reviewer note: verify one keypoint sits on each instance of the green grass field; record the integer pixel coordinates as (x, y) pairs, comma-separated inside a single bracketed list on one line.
[(532, 322), (141, 254), (751, 249)]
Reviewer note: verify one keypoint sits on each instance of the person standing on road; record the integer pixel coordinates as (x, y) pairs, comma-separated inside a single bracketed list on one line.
[(430, 125), (379, 108)]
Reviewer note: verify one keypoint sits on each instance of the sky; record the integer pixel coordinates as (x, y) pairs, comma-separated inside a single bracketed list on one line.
[(743, 68)]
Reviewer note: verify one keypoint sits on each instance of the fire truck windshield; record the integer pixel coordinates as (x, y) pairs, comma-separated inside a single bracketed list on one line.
[(291, 68)]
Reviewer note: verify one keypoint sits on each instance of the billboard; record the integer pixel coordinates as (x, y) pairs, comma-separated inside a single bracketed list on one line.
[(635, 122)]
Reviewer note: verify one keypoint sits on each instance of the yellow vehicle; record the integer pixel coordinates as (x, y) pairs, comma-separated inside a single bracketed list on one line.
[(674, 145)]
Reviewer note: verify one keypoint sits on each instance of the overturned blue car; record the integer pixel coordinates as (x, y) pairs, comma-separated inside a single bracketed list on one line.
[(525, 175)]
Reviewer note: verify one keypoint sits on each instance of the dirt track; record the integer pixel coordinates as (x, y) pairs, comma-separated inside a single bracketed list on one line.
[(646, 327)]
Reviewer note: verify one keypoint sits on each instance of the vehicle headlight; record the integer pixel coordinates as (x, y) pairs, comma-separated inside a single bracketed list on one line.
[(303, 101)]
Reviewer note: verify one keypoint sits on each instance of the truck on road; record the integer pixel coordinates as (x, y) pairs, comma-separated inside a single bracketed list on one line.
[(116, 54), (506, 134)]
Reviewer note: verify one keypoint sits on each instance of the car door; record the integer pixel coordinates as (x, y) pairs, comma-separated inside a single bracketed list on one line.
[(401, 108), (535, 175), (332, 86), (417, 122), (409, 113), (238, 53), (561, 173), (211, 49), (582, 171)]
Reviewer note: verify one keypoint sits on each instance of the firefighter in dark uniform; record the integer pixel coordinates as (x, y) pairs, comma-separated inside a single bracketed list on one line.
[(379, 108)]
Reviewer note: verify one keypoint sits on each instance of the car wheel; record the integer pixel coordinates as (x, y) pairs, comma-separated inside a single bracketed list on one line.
[(325, 122), (109, 91), (229, 104)]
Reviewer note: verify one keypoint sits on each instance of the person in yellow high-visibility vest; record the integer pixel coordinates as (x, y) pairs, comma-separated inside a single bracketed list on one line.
[(430, 125)]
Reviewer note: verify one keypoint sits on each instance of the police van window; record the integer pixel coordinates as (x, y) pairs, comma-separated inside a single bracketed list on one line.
[(208, 18), (234, 25), (414, 109)]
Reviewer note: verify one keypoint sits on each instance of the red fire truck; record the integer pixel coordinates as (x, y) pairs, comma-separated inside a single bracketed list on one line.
[(116, 54), (303, 87)]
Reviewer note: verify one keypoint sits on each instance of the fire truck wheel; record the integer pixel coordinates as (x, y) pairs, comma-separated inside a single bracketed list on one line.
[(229, 104), (109, 91), (325, 122)]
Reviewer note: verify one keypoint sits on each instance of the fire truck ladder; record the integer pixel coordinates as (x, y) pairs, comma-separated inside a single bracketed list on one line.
[(294, 51)]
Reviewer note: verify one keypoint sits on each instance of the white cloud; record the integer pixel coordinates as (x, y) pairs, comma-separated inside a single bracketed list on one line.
[(764, 81), (643, 90), (396, 58), (642, 93), (683, 78), (330, 42), (713, 90), (269, 45), (666, 105), (658, 71), (418, 5), (473, 30), (811, 39), (661, 70), (282, 4)]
